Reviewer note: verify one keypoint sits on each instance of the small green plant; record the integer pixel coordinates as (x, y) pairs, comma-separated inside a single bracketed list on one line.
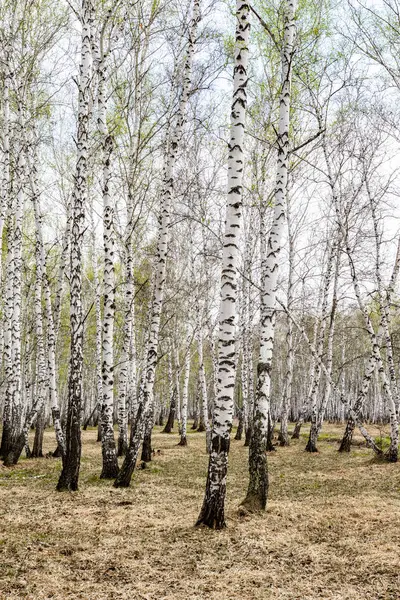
[(383, 442)]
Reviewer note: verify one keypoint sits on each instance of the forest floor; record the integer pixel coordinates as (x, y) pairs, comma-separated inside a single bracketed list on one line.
[(331, 530)]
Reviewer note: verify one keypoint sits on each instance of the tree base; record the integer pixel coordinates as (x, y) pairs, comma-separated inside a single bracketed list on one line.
[(125, 474), (37, 450), (212, 514), (68, 482), (171, 418), (33, 454), (67, 487), (296, 431), (211, 523), (16, 450), (124, 482), (392, 455), (182, 442), (311, 447), (9, 460), (345, 445), (57, 453), (253, 503), (146, 448), (110, 471), (239, 431), (6, 440), (122, 447)]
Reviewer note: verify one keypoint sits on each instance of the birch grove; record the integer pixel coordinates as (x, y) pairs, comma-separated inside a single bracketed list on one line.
[(197, 254)]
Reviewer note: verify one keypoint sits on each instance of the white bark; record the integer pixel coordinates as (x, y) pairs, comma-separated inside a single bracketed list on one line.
[(313, 399), (258, 481), (287, 393), (16, 273), (212, 513), (164, 218), (185, 392), (163, 244), (71, 462), (203, 385), (106, 362), (51, 334)]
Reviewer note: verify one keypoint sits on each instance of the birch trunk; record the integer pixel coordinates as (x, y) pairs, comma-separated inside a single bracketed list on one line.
[(171, 393), (204, 423), (99, 327), (257, 492), (212, 512), (127, 338), (287, 396), (16, 274), (61, 271), (51, 334), (177, 374), (110, 462), (384, 302), (246, 373), (316, 424), (185, 392), (5, 158), (313, 400), (42, 381), (375, 360), (71, 461), (6, 439), (131, 395)]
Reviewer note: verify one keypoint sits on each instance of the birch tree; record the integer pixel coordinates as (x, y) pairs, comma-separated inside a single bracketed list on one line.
[(258, 476), (212, 513), (71, 461), (162, 253)]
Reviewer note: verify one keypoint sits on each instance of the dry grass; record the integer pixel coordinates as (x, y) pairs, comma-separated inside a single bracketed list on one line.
[(331, 531)]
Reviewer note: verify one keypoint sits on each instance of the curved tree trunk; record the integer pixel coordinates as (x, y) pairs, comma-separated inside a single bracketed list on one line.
[(125, 473)]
